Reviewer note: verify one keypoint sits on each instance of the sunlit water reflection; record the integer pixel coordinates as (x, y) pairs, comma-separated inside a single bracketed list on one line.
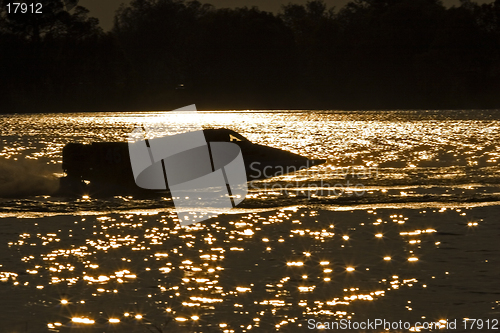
[(420, 243)]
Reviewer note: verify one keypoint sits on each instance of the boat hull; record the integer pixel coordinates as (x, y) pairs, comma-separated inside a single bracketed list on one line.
[(104, 168)]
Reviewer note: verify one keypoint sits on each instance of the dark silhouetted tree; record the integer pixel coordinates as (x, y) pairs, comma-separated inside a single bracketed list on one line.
[(315, 33), (59, 57), (164, 53), (214, 54), (57, 18)]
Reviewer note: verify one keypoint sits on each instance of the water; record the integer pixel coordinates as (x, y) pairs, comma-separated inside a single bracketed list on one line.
[(399, 224)]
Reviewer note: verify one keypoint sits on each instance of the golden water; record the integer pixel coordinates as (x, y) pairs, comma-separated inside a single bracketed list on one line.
[(420, 244)]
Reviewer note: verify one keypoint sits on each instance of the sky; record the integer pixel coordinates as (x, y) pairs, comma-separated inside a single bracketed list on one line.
[(104, 10)]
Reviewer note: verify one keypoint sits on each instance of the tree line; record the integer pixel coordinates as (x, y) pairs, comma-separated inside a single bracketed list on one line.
[(163, 54)]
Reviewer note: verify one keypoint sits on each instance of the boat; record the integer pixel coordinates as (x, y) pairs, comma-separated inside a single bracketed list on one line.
[(104, 168)]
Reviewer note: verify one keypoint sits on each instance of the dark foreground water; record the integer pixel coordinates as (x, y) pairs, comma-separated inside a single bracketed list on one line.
[(400, 224)]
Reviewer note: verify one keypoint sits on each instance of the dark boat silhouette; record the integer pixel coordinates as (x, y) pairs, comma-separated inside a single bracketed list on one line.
[(104, 168)]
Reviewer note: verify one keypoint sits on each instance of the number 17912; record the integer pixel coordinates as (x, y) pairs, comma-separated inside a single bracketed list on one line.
[(479, 324), (23, 8)]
